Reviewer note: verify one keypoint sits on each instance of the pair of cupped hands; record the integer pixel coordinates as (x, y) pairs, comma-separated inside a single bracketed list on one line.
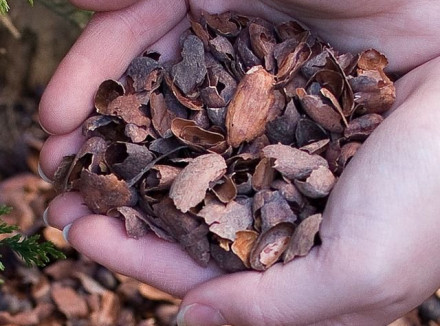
[(380, 232)]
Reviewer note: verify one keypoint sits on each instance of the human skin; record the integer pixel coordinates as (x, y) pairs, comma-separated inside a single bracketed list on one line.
[(379, 233)]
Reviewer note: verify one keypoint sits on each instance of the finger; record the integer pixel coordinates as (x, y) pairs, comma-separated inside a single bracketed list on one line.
[(102, 5), (168, 46), (56, 147), (152, 260), (103, 51), (252, 8), (306, 291), (65, 209)]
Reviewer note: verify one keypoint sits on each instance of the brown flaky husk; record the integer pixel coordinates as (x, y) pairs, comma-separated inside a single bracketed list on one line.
[(232, 150)]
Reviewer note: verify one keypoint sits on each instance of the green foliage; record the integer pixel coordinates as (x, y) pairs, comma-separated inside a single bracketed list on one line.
[(30, 249), (63, 8), (4, 6), (69, 12)]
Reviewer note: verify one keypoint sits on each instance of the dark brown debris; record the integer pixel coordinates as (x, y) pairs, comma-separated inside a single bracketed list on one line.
[(233, 149)]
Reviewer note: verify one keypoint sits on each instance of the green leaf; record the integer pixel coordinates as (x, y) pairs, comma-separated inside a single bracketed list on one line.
[(5, 209), (31, 250), (4, 7), (6, 228)]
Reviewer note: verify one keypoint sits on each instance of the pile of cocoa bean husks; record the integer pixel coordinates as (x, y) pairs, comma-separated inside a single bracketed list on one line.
[(233, 149)]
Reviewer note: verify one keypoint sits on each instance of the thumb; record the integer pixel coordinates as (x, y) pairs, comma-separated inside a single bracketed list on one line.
[(305, 291)]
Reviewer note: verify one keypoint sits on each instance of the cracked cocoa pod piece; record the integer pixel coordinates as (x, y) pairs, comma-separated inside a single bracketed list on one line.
[(191, 71), (60, 177), (254, 97), (308, 131), (220, 90), (303, 238), (361, 127), (189, 133), (270, 208), (347, 152), (317, 147), (103, 192), (127, 160), (161, 177), (282, 128), (263, 42), (372, 88), (227, 260), (145, 73), (161, 117), (134, 223), (188, 102), (320, 112), (243, 244), (128, 108), (135, 133), (318, 184), (264, 174), (270, 246), (245, 58), (226, 220), (225, 190), (198, 175), (290, 57), (185, 228), (107, 92), (291, 193), (226, 23), (90, 157), (292, 162), (222, 49), (233, 149)]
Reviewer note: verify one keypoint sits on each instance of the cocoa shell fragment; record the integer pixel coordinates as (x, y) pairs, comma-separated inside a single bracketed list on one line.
[(292, 162), (185, 228), (198, 174), (232, 149), (303, 237), (253, 98), (103, 192), (270, 245)]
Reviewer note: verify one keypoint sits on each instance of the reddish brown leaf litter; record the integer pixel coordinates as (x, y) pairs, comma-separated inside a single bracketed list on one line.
[(233, 149)]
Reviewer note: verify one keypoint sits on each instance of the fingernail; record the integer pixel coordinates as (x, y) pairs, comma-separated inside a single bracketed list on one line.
[(45, 213), (199, 315), (66, 232), (42, 175), (43, 128)]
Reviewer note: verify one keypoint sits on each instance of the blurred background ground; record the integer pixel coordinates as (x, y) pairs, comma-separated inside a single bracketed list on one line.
[(74, 291)]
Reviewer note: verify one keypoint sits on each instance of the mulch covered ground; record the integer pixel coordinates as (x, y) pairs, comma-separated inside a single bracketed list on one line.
[(74, 291)]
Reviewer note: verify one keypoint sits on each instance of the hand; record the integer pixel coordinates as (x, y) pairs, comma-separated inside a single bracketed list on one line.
[(379, 234)]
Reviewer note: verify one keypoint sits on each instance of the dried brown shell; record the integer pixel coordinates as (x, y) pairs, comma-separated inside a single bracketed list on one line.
[(270, 245), (107, 92), (292, 162), (362, 127), (199, 173), (303, 238), (320, 111), (103, 192), (243, 244), (226, 220), (249, 108), (318, 184)]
